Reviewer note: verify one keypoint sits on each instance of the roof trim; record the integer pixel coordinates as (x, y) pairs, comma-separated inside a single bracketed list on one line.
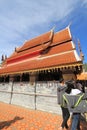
[(42, 69), (73, 45), (69, 32), (77, 56)]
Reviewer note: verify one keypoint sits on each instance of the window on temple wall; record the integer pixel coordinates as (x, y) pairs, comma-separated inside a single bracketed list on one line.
[(17, 78), (49, 75), (1, 79), (25, 77), (7, 79)]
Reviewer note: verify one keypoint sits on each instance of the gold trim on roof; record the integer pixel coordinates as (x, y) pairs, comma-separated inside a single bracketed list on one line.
[(42, 69)]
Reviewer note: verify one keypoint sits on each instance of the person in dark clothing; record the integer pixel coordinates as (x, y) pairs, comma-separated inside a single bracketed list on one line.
[(65, 115), (65, 112)]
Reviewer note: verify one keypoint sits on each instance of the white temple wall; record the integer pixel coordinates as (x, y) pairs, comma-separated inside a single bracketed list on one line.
[(40, 96)]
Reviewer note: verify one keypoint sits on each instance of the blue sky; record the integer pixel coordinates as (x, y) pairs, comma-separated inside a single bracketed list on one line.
[(21, 20)]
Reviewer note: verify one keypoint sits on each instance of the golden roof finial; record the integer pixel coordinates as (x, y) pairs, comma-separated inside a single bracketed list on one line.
[(53, 27), (69, 24), (80, 50)]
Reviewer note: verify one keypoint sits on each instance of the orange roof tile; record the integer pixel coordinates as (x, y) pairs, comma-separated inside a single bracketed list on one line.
[(41, 62), (62, 36), (32, 53), (60, 50)]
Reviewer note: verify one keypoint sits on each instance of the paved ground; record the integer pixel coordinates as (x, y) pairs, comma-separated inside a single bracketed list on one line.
[(18, 118)]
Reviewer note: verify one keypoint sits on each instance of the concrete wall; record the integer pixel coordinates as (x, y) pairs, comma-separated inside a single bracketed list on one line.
[(40, 96)]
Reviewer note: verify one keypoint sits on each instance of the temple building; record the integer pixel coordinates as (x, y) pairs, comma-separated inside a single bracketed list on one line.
[(47, 57), (29, 76)]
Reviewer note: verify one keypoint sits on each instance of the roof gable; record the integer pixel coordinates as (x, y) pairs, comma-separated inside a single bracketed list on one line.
[(62, 36), (44, 38)]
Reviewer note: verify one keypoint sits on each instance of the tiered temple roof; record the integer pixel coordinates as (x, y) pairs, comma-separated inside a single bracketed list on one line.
[(47, 51)]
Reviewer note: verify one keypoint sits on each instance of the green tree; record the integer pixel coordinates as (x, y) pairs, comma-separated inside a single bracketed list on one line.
[(85, 66)]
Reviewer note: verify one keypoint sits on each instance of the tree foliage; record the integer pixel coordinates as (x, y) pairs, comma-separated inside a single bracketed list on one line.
[(85, 66)]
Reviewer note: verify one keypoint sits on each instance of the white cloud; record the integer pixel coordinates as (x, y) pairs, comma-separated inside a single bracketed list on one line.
[(85, 3), (20, 17)]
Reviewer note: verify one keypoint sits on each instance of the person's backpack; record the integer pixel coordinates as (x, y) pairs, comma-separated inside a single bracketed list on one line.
[(75, 103)]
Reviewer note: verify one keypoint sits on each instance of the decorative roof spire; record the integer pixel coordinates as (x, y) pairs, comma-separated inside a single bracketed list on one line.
[(80, 50), (45, 46), (69, 24), (53, 28), (5, 57), (52, 32), (2, 58), (15, 49)]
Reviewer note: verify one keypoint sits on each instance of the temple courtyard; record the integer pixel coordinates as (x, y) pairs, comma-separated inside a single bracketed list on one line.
[(14, 117)]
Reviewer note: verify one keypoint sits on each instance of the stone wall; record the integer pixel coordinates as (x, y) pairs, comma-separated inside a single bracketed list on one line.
[(40, 96)]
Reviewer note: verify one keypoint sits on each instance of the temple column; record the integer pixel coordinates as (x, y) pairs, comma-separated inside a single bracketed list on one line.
[(21, 83), (11, 78), (33, 77)]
